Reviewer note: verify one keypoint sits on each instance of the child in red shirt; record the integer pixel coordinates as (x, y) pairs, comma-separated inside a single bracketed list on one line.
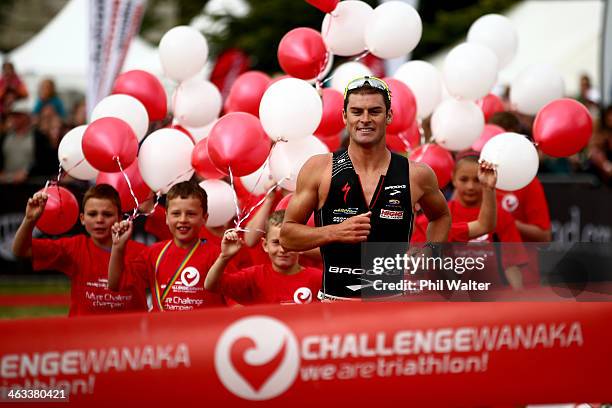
[(464, 231), (83, 258), (174, 269), (281, 281), (465, 206)]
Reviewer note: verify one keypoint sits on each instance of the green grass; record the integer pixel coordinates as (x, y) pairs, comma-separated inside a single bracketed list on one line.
[(24, 312), (33, 287)]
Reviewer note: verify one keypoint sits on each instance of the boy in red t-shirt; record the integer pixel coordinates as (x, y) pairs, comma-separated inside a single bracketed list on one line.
[(465, 206), (174, 269), (83, 258), (281, 281)]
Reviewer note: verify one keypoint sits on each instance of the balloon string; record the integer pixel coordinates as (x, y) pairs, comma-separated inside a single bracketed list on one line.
[(260, 202), (234, 197), (127, 180), (421, 130), (420, 156)]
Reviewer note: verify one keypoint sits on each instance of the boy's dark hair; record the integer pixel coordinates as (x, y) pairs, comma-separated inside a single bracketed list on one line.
[(187, 189), (275, 219), (507, 121), (367, 89), (103, 192)]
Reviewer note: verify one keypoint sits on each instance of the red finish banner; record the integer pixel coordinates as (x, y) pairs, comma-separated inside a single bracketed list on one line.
[(418, 354)]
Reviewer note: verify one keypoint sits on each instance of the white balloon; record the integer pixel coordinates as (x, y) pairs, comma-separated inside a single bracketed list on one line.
[(346, 72), (196, 102), (200, 133), (221, 207), (457, 124), (290, 109), (516, 159), (71, 157), (183, 52), (344, 30), (425, 82), (497, 33), (255, 183), (470, 71), (164, 159), (287, 158), (536, 86), (394, 30), (126, 108)]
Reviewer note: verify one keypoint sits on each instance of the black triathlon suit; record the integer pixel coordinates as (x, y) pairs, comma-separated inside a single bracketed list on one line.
[(348, 271)]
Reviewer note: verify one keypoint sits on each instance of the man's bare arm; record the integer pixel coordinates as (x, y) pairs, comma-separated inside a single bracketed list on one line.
[(295, 235), (432, 202)]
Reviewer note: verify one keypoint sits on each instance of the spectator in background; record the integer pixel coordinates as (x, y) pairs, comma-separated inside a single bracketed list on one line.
[(600, 148), (78, 115), (17, 148), (48, 96), (47, 136), (588, 95), (12, 89)]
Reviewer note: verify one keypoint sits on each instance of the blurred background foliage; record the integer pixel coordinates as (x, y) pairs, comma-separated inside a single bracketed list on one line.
[(258, 33)]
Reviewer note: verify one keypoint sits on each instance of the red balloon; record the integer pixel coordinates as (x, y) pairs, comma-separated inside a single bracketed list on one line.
[(238, 141), (246, 93), (106, 140), (488, 132), (406, 140), (202, 164), (60, 213), (326, 6), (563, 127), (403, 104), (182, 129), (284, 203), (331, 121), (117, 180), (439, 159), (302, 53), (147, 89), (332, 142), (490, 105)]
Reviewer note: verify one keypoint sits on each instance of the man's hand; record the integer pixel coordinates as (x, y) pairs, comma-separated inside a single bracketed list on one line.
[(231, 243), (354, 230), (487, 174), (36, 206), (122, 232)]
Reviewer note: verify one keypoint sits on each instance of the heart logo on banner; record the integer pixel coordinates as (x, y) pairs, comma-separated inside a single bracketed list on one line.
[(256, 375), (257, 358)]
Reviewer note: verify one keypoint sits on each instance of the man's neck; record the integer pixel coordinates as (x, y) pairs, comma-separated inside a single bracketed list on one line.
[(369, 159)]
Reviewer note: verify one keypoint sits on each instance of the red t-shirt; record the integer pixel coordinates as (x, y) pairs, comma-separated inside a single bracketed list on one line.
[(187, 292), (262, 284), (505, 231), (459, 231), (87, 266), (527, 205)]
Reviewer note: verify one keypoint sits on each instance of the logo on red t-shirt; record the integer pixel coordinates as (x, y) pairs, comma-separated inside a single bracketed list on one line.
[(190, 276), (302, 295), (257, 358), (510, 202)]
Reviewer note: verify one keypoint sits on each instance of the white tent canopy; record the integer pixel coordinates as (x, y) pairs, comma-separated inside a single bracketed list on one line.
[(566, 34), (60, 51)]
